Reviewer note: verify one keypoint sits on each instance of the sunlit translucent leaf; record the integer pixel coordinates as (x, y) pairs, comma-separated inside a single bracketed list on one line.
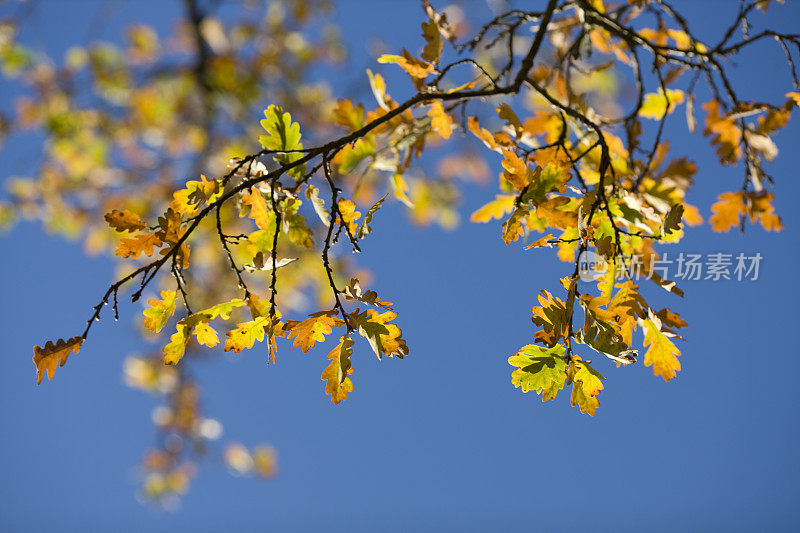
[(662, 354), (586, 385), (246, 334), (338, 383), (312, 330), (655, 104), (174, 350), (539, 369), (282, 135), (46, 359), (138, 245), (156, 316)]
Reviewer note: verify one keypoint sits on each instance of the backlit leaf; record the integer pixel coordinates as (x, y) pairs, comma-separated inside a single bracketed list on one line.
[(586, 385), (662, 354), (539, 369), (138, 245), (312, 330), (155, 318), (338, 383), (46, 359)]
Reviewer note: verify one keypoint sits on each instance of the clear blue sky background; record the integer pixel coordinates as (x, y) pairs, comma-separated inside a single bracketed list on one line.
[(440, 441)]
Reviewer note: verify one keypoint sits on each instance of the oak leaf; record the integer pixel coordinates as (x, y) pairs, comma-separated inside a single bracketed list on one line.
[(384, 338), (282, 135), (338, 383), (124, 220), (586, 385), (440, 120), (539, 369), (552, 318), (263, 215), (347, 115), (727, 211), (662, 354), (46, 359), (174, 350), (312, 330), (433, 41), (657, 105), (138, 245), (246, 334), (416, 68), (497, 208), (155, 318)]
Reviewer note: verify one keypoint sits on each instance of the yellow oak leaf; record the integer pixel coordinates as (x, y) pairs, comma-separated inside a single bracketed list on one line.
[(483, 134), (586, 385), (724, 132), (662, 354), (551, 317), (727, 211), (198, 323), (186, 201), (440, 120), (514, 227), (259, 211), (762, 210), (46, 359), (655, 104), (497, 208), (308, 332), (338, 383), (349, 215), (516, 172), (416, 68), (246, 334), (384, 338), (174, 350), (206, 335), (347, 115), (352, 155), (124, 220), (539, 369), (155, 318), (138, 245)]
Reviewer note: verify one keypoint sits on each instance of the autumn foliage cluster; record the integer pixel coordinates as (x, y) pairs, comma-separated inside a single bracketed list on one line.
[(234, 224)]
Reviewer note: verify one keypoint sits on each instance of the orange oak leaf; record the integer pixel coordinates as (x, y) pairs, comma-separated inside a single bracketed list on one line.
[(312, 330), (138, 245), (46, 359), (124, 220)]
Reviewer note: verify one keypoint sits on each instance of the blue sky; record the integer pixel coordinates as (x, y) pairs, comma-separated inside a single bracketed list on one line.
[(440, 441)]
